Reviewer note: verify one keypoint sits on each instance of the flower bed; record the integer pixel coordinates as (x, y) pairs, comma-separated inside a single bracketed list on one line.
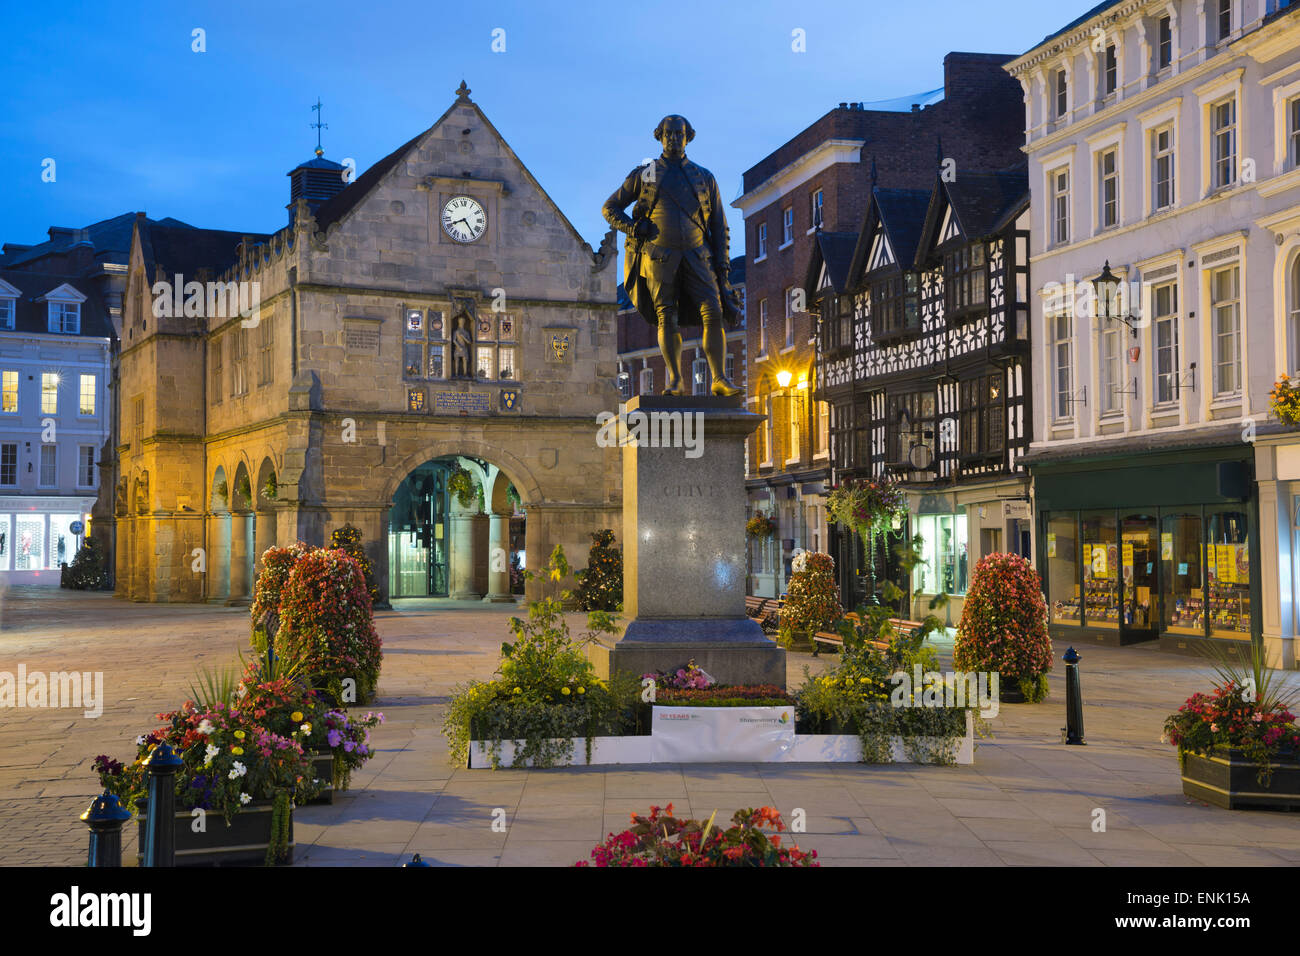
[(661, 839)]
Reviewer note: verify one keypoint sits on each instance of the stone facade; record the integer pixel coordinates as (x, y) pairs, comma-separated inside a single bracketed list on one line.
[(241, 431)]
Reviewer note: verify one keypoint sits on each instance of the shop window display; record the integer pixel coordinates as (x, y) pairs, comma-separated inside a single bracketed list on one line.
[(1101, 572), (1227, 572), (1063, 568)]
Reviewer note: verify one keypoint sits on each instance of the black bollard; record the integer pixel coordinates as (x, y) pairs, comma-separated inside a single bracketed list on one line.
[(1073, 700), (416, 861), (104, 817), (160, 829)]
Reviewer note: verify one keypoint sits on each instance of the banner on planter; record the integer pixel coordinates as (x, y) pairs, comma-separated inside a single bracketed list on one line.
[(695, 734)]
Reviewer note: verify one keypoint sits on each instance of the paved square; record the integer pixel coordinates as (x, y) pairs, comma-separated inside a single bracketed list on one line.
[(1028, 800)]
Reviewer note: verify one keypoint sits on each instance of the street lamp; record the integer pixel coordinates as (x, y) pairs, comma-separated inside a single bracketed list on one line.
[(1107, 285), (783, 378)]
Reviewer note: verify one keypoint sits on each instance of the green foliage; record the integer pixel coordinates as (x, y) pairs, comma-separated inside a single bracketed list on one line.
[(600, 584), (86, 572), (546, 692), (271, 489), (211, 686), (856, 695)]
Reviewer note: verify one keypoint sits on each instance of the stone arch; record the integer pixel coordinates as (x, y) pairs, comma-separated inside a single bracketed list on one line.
[(266, 472), (1285, 297), (241, 489), (515, 470), (219, 499)]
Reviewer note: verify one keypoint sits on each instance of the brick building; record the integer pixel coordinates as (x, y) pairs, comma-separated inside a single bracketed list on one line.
[(640, 364), (821, 181)]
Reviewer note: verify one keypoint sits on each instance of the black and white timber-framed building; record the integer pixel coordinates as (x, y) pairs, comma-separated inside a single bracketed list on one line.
[(923, 356)]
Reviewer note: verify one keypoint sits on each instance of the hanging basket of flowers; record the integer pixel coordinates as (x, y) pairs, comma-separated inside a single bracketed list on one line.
[(463, 486), (1284, 401), (760, 526), (865, 505)]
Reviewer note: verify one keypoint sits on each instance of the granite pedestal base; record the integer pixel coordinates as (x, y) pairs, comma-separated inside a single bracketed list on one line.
[(684, 543), (730, 650)]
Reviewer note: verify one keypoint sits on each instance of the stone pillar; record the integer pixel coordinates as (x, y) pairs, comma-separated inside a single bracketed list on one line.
[(684, 544), (264, 536), (241, 559), (464, 556), (219, 557), (499, 559)]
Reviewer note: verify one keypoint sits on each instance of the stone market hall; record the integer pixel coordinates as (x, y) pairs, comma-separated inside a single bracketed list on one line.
[(437, 318)]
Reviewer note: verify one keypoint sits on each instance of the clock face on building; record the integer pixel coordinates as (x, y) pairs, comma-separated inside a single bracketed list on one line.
[(463, 218)]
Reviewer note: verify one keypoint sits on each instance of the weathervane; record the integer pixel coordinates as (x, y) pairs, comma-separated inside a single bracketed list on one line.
[(318, 126)]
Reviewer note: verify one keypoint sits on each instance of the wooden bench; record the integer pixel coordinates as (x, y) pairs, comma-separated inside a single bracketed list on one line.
[(901, 628), (771, 617), (754, 606)]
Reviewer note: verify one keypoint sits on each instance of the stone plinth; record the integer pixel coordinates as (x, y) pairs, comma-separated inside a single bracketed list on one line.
[(684, 543)]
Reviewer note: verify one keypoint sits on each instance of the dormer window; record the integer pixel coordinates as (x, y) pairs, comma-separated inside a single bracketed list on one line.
[(65, 317), (63, 307), (8, 304)]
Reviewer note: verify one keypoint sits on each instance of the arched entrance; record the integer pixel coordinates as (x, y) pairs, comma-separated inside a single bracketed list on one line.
[(456, 530)]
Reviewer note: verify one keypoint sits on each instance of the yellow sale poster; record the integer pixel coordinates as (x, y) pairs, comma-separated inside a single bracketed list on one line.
[(1051, 544), (1210, 568), (1167, 546), (1227, 563), (1128, 555)]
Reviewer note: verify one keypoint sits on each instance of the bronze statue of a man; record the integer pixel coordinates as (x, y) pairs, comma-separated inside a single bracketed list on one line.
[(677, 258)]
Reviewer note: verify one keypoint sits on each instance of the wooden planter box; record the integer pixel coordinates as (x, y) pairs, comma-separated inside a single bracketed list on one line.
[(243, 843), (322, 764), (1228, 779)]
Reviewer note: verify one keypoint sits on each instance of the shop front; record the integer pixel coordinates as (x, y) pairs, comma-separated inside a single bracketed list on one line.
[(39, 535), (1151, 547)]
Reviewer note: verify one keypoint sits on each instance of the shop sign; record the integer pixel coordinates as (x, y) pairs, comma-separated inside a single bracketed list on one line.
[(1016, 509)]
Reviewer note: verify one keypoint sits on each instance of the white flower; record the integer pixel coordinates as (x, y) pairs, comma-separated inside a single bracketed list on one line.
[(245, 798), (205, 726), (237, 770), (241, 691), (305, 728), (210, 753), (139, 741)]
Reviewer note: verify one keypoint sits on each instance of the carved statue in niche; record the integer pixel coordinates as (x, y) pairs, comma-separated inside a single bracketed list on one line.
[(462, 365)]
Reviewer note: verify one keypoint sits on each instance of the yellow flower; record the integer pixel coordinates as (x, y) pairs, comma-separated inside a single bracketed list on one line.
[(296, 716), (564, 691), (239, 734), (582, 690), (237, 751), (863, 681), (516, 691)]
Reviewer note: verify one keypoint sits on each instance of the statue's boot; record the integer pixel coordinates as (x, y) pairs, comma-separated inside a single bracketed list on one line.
[(715, 350)]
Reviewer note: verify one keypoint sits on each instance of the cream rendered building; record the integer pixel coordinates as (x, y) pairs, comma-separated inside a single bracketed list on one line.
[(439, 313), (1164, 141)]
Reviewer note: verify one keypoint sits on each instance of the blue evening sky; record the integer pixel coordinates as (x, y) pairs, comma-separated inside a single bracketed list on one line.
[(137, 121)]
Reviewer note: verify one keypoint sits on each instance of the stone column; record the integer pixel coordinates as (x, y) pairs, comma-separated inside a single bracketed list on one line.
[(684, 544), (464, 557), (265, 535), (219, 557), (499, 559), (241, 559)]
